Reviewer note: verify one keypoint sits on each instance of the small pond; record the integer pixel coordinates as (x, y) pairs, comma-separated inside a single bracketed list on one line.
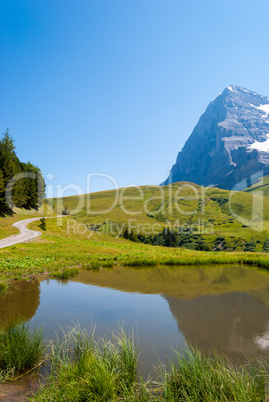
[(221, 307)]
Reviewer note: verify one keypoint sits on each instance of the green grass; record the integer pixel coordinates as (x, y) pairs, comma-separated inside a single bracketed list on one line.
[(6, 228), (56, 250), (151, 207), (85, 369), (66, 273), (261, 186), (20, 349), (195, 377), (68, 245)]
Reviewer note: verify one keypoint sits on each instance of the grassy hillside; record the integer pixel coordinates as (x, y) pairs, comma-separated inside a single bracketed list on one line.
[(261, 186), (62, 254), (71, 244), (210, 212)]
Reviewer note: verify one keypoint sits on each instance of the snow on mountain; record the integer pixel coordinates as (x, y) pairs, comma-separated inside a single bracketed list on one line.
[(230, 144)]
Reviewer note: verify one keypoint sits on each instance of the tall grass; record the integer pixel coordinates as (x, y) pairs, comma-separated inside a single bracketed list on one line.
[(20, 349), (83, 369), (196, 377)]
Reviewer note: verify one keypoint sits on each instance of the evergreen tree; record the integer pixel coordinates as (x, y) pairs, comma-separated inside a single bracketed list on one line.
[(9, 162), (174, 239), (126, 234), (65, 211), (34, 185), (266, 246), (2, 192), (23, 181), (168, 238), (43, 224), (250, 246), (133, 237)]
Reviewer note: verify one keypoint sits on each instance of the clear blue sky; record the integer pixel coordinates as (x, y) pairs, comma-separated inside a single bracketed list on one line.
[(117, 86)]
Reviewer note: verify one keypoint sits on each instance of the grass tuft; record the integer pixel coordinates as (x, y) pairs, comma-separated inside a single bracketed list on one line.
[(66, 273), (20, 349), (83, 369), (193, 377)]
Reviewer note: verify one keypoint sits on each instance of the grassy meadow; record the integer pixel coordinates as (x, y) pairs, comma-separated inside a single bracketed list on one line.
[(61, 252), (211, 212), (89, 239)]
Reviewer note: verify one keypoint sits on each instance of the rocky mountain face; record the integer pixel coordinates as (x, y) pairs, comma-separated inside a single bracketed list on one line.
[(229, 147)]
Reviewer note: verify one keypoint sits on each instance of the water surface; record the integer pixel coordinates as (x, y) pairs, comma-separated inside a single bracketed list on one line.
[(221, 307)]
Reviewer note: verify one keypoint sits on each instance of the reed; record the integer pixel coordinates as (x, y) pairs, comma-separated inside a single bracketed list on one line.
[(83, 369), (193, 377), (20, 349)]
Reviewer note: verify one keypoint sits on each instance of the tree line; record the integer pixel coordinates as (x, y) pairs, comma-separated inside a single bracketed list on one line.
[(21, 184), (169, 238), (194, 241)]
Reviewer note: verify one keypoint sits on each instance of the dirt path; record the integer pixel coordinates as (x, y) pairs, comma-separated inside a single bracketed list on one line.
[(25, 234)]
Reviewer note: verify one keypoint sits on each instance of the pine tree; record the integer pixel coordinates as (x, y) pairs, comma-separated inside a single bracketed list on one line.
[(25, 192), (266, 246), (9, 162), (43, 224), (126, 234), (174, 239), (133, 237), (2, 192), (250, 246)]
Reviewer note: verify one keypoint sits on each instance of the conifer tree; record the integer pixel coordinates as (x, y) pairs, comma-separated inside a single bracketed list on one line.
[(9, 163), (266, 245), (126, 234), (26, 190), (2, 192)]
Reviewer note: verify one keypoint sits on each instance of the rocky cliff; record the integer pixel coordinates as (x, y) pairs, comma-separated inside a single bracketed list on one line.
[(229, 147)]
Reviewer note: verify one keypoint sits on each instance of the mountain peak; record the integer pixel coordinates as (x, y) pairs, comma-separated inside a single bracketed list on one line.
[(229, 144)]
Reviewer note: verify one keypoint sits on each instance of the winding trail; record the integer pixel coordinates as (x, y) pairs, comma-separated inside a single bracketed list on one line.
[(24, 235)]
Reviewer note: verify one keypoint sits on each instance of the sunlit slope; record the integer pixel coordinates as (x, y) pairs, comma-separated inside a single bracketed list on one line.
[(150, 208), (60, 249), (260, 187)]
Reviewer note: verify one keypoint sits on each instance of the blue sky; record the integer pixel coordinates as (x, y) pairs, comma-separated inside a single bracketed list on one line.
[(117, 86)]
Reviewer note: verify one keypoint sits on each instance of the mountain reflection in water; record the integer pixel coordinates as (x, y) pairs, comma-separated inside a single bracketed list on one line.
[(220, 307)]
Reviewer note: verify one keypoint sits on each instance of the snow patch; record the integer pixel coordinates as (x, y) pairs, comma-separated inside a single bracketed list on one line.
[(231, 88), (261, 146), (263, 108)]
